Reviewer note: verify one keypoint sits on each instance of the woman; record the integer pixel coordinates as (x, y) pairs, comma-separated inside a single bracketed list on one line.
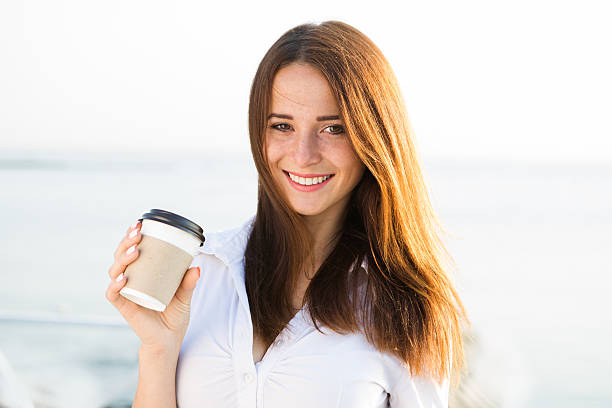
[(335, 293)]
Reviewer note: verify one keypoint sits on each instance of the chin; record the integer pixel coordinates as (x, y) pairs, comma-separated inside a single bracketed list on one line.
[(306, 210)]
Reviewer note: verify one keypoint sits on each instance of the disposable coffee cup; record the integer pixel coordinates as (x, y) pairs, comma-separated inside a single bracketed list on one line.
[(169, 243)]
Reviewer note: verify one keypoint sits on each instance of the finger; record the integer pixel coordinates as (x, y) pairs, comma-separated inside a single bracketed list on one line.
[(136, 224), (112, 292), (123, 260), (182, 297), (129, 239), (134, 238), (125, 307)]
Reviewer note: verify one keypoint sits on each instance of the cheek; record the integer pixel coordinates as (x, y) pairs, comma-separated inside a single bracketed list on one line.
[(356, 174), (347, 160), (274, 150)]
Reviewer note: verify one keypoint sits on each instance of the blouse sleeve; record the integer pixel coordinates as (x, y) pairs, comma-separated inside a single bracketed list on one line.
[(418, 392)]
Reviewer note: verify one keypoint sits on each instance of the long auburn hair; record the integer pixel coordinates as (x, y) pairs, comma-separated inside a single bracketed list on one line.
[(405, 303)]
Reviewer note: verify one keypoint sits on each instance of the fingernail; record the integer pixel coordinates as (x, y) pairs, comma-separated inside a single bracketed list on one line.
[(131, 249), (119, 278), (135, 224), (133, 233), (199, 272)]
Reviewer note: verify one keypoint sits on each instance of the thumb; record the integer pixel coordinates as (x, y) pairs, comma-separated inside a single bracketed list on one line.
[(182, 297)]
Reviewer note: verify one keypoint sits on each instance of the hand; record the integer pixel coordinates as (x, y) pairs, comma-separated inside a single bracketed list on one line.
[(159, 331)]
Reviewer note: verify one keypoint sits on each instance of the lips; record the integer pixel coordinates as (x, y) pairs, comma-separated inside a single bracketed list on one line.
[(308, 175), (307, 182)]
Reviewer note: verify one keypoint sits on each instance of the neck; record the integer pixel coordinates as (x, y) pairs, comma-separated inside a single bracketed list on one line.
[(324, 229), (324, 233)]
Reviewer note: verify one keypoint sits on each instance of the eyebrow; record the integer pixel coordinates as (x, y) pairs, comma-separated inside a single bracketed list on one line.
[(319, 118)]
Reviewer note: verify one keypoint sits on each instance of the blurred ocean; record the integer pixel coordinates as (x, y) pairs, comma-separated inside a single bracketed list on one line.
[(531, 241)]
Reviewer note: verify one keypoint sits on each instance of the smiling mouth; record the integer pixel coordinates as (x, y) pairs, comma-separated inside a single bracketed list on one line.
[(313, 179)]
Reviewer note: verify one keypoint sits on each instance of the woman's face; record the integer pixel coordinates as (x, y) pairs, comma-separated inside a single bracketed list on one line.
[(309, 152)]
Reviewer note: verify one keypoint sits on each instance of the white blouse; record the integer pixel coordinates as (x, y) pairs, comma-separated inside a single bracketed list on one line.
[(303, 368)]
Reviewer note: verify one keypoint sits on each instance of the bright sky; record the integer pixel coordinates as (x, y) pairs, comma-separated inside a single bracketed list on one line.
[(515, 79)]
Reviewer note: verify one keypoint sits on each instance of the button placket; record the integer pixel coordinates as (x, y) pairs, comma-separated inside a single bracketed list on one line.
[(248, 378)]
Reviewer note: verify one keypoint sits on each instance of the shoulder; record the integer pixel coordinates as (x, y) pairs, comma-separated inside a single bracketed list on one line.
[(219, 260), (409, 390), (220, 256), (226, 245)]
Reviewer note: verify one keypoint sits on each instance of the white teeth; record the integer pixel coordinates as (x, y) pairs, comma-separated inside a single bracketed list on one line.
[(307, 181)]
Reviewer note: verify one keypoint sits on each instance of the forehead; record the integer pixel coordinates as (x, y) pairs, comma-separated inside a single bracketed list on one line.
[(302, 87)]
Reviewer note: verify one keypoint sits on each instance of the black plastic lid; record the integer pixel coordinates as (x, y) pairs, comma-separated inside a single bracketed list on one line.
[(175, 220)]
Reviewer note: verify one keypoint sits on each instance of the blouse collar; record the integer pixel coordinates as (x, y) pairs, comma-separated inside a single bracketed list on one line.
[(228, 245)]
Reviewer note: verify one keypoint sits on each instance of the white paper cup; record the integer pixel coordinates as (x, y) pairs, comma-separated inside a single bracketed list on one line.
[(169, 243)]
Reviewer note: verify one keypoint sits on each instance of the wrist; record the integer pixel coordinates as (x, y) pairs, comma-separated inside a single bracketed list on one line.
[(156, 376), (157, 351)]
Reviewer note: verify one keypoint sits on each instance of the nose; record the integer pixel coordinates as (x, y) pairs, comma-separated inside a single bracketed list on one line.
[(306, 151)]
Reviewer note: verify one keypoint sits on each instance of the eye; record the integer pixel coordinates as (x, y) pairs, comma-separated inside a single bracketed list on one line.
[(283, 127), (338, 129)]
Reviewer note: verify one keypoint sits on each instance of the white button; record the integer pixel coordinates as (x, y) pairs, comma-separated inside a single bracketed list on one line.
[(248, 377), (278, 343)]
